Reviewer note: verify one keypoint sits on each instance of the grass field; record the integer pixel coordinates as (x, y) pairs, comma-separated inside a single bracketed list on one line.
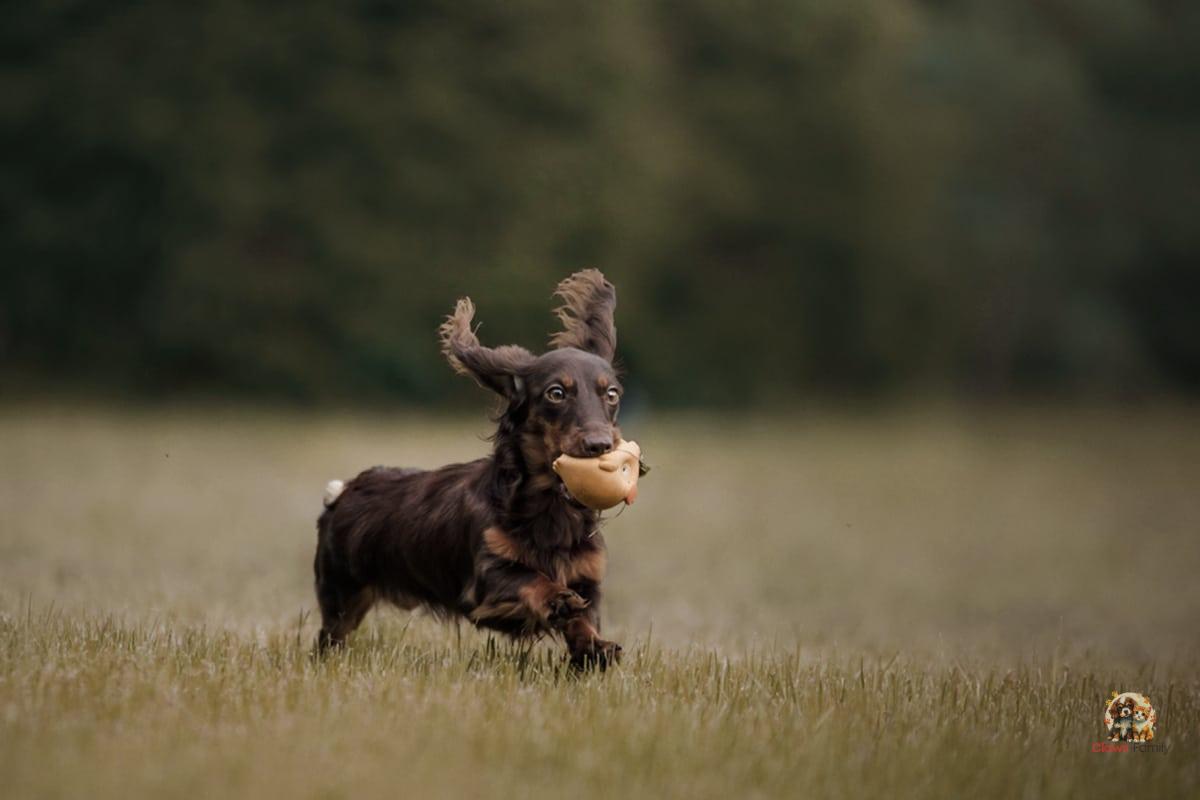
[(907, 604)]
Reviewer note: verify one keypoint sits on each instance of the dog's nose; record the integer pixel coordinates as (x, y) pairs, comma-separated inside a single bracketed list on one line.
[(597, 445)]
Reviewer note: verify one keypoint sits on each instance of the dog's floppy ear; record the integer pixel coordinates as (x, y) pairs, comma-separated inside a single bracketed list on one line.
[(500, 369), (587, 314)]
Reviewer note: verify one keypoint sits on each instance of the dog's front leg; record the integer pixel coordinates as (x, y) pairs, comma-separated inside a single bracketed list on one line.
[(512, 598), (582, 632)]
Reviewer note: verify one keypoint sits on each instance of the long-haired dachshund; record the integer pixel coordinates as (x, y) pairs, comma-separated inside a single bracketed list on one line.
[(498, 540)]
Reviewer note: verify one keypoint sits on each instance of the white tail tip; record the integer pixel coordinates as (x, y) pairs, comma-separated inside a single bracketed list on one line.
[(333, 490)]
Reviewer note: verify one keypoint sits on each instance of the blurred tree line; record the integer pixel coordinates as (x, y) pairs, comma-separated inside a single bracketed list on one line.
[(281, 200)]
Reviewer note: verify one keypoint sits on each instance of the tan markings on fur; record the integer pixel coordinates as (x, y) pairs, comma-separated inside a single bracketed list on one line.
[(503, 609), (591, 565), (501, 544), (579, 633), (602, 382), (537, 594), (567, 381)]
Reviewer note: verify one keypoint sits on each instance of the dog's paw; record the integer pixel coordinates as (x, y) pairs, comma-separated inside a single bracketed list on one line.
[(563, 606), (597, 654)]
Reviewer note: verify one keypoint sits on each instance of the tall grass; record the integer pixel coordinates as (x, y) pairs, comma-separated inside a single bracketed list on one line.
[(905, 606)]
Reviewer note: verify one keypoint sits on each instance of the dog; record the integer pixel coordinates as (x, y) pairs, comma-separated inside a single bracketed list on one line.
[(1122, 713), (497, 541)]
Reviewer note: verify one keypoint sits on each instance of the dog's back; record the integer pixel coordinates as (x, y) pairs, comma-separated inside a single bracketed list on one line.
[(405, 535)]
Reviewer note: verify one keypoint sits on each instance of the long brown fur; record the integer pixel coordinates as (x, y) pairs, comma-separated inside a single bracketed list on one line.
[(497, 540), (586, 314)]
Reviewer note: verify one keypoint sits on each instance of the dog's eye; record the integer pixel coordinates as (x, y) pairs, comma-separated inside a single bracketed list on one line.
[(612, 395), (556, 394)]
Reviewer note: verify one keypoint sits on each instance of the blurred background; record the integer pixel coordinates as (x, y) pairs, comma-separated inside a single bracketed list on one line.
[(907, 297), (279, 201)]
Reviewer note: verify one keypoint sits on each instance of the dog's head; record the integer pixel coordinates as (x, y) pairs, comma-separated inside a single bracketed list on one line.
[(1121, 708), (565, 400)]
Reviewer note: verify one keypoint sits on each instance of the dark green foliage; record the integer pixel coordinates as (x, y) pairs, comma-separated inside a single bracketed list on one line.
[(283, 200)]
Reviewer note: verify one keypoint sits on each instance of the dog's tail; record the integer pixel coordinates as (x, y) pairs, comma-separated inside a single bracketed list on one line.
[(333, 490)]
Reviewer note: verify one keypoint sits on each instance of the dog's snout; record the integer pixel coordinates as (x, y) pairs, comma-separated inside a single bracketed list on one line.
[(597, 445)]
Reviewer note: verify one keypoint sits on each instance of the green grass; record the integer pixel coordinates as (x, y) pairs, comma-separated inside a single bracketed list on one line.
[(904, 605)]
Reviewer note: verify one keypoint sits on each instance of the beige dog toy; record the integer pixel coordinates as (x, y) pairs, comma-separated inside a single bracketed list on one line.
[(606, 480)]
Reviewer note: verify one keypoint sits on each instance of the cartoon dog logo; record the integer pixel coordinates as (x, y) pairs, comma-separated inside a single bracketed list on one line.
[(1129, 717)]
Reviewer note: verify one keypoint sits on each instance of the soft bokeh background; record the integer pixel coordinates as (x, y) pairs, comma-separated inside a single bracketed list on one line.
[(262, 200), (907, 307)]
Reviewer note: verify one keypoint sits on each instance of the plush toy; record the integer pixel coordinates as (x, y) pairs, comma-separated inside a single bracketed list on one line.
[(606, 480)]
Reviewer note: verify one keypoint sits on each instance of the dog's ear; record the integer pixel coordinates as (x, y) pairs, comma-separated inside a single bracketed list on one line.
[(586, 314), (500, 369)]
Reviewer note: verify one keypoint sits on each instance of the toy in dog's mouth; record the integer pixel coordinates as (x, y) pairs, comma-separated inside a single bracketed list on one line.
[(604, 481)]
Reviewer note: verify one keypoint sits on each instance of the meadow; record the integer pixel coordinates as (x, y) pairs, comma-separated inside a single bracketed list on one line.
[(929, 602)]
